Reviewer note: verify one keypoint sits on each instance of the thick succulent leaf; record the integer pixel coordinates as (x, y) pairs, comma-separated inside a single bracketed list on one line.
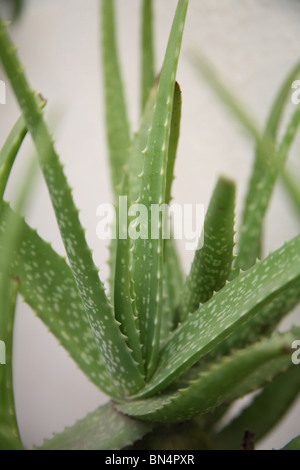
[(173, 276), (264, 412), (289, 181), (293, 445), (172, 270), (232, 377), (265, 173), (120, 364), (147, 52), (292, 187), (9, 433), (174, 139), (267, 163), (9, 152), (46, 283), (118, 133), (172, 288), (271, 316), (276, 113), (112, 249), (10, 239), (148, 252), (124, 303), (135, 167), (262, 325), (136, 156), (212, 263), (289, 135), (240, 300), (104, 429)]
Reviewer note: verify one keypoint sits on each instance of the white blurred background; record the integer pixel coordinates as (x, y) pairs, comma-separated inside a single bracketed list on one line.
[(253, 44)]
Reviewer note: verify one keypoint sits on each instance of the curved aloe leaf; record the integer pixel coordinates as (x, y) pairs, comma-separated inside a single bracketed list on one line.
[(224, 381), (172, 288), (264, 412), (104, 429), (53, 296), (265, 174), (293, 445), (118, 133), (124, 303), (212, 263), (10, 237), (240, 300), (267, 163), (172, 270), (147, 55), (292, 188), (173, 141), (9, 152), (136, 157), (267, 167), (121, 366), (173, 277), (9, 432), (262, 325), (276, 113), (148, 253)]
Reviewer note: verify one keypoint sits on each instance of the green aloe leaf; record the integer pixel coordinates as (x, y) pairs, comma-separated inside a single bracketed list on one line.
[(172, 270), (262, 183), (9, 152), (239, 301), (136, 157), (292, 187), (262, 325), (148, 252), (173, 276), (293, 445), (212, 263), (124, 303), (267, 163), (232, 377), (53, 295), (147, 51), (173, 141), (264, 412), (276, 113), (172, 289), (121, 366), (104, 429), (10, 238), (9, 433), (118, 133)]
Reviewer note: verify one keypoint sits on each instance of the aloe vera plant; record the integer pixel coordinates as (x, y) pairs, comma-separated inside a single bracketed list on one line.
[(171, 352)]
